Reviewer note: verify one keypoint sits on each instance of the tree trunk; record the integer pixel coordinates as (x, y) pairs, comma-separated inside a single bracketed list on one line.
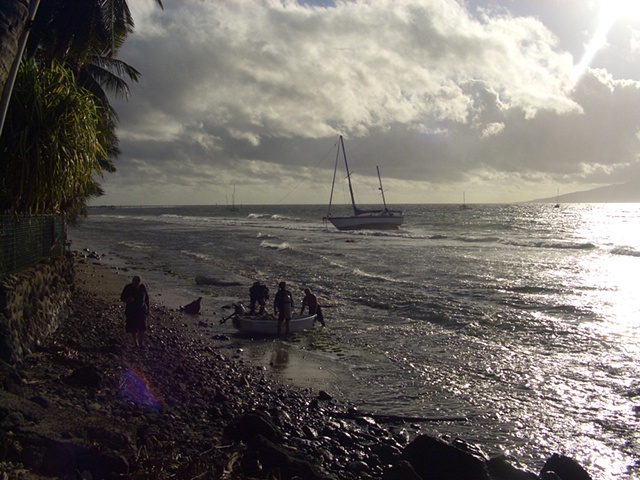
[(13, 19)]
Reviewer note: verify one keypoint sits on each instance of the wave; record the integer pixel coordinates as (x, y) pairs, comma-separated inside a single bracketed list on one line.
[(552, 244), (273, 216), (626, 251), (479, 239), (374, 276), (275, 246), (134, 245), (198, 256)]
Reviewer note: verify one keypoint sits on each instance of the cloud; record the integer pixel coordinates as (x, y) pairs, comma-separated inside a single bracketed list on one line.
[(255, 92)]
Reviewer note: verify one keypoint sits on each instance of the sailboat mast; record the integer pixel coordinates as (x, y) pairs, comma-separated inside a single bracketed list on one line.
[(384, 202), (333, 183), (346, 165)]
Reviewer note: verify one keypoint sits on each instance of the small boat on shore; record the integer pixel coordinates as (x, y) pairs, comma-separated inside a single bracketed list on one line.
[(268, 325)]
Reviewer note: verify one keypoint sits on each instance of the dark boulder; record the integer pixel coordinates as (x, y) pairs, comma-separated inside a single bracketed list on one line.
[(500, 469), (192, 308), (566, 468), (276, 458), (434, 459), (247, 427), (401, 470)]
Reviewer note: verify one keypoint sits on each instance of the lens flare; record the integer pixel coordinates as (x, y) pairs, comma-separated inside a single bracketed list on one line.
[(136, 388)]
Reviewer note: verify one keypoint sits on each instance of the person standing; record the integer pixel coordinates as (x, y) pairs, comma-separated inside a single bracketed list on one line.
[(282, 307), (311, 301), (136, 309), (258, 293)]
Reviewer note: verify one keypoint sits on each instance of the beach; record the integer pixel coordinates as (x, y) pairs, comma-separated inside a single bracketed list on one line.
[(503, 315), (88, 404), (297, 366)]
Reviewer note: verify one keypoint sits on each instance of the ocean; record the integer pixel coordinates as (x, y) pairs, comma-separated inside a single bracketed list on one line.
[(522, 318)]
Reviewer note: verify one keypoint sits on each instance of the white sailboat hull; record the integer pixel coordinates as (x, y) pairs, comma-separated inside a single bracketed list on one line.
[(367, 222)]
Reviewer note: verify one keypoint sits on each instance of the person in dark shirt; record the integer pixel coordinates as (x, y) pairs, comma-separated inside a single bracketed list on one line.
[(136, 310), (258, 293), (282, 307), (311, 301)]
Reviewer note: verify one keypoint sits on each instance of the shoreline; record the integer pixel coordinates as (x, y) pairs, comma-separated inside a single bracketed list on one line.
[(291, 362), (87, 404)]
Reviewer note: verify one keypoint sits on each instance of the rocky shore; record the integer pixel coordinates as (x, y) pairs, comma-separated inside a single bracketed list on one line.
[(88, 405)]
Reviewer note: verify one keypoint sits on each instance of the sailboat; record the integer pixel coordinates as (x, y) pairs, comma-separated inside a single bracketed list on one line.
[(383, 219), (233, 207), (464, 205), (557, 205)]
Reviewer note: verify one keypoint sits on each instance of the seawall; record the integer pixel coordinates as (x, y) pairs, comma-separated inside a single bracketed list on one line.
[(32, 304)]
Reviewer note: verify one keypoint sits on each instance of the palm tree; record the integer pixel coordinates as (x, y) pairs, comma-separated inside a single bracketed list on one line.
[(15, 16), (85, 36), (82, 36), (52, 143)]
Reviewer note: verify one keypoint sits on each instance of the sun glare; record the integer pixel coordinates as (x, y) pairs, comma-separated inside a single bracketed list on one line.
[(622, 9), (610, 11)]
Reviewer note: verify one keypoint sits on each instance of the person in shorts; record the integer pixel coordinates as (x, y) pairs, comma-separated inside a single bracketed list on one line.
[(136, 310)]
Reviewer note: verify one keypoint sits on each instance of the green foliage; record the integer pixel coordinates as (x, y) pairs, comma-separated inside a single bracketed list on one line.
[(60, 129), (52, 143)]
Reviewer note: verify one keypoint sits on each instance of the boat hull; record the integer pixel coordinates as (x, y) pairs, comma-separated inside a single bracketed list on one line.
[(367, 222), (269, 326)]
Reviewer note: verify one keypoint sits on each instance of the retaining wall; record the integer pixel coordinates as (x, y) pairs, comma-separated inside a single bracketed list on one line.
[(33, 302)]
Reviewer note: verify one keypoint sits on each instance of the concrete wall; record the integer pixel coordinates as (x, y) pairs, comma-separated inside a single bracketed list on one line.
[(33, 302)]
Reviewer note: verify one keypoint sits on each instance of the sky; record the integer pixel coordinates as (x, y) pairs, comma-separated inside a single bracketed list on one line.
[(498, 100)]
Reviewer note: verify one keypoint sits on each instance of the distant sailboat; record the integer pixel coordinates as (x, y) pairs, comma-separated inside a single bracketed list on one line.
[(464, 205), (557, 205), (233, 207)]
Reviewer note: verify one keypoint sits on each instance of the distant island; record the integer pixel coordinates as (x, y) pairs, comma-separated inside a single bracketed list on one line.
[(621, 193)]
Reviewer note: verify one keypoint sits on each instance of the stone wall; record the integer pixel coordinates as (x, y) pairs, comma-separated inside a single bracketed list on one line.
[(32, 304)]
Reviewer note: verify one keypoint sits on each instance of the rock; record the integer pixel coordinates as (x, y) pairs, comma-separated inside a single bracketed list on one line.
[(322, 395), (566, 468), (433, 459), (549, 476), (387, 454), (85, 377), (248, 426), (499, 468), (275, 458), (401, 470), (192, 308), (10, 379), (359, 467)]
